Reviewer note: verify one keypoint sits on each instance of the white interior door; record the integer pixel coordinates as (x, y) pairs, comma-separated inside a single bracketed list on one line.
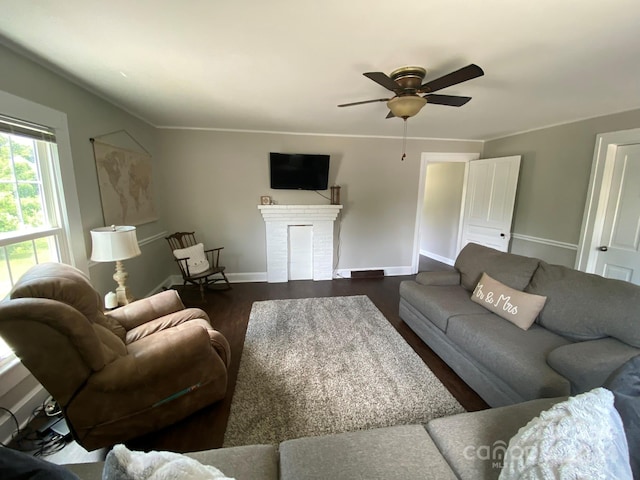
[(619, 250), (489, 201)]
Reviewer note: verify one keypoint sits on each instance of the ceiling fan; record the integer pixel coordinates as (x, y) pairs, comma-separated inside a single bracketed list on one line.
[(406, 84)]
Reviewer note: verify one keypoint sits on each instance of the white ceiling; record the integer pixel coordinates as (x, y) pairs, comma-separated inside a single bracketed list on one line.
[(284, 65)]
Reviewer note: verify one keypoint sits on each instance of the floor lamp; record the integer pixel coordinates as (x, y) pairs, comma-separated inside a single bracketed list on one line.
[(114, 244)]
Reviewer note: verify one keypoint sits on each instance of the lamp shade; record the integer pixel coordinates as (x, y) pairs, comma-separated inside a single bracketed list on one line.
[(110, 244), (407, 106)]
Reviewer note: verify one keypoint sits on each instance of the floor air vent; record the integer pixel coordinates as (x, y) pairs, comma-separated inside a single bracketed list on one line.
[(367, 273)]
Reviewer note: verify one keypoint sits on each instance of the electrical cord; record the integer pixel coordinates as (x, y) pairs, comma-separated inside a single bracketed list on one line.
[(14, 419), (323, 196), (29, 439)]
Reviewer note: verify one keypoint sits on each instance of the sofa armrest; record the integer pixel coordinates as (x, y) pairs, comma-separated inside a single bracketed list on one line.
[(588, 364), (474, 443), (150, 308), (447, 277)]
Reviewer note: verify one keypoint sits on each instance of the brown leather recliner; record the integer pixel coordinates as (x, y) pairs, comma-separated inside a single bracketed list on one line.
[(117, 375)]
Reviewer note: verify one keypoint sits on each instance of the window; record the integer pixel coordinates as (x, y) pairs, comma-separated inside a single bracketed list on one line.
[(30, 227)]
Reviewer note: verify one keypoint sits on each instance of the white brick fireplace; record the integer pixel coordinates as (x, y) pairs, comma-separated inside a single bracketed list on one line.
[(296, 232)]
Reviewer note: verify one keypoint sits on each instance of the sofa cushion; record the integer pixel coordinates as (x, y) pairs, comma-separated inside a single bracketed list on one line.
[(512, 270), (517, 307), (112, 346), (516, 356), (111, 324), (588, 364), (399, 452), (584, 306), (439, 303), (474, 443), (87, 471), (445, 277)]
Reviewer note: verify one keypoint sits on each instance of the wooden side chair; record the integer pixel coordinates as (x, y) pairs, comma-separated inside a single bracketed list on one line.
[(198, 266)]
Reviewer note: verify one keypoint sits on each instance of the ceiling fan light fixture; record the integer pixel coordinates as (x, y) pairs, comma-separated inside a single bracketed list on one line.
[(406, 106)]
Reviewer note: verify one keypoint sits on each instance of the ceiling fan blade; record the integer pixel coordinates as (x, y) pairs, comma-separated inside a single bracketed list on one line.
[(362, 103), (390, 115), (450, 100), (382, 79), (453, 78)]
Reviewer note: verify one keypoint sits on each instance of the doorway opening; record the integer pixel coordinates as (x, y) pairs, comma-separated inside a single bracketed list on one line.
[(484, 213), (440, 202)]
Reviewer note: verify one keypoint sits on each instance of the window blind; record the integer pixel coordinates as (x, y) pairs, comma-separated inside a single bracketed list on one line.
[(26, 129)]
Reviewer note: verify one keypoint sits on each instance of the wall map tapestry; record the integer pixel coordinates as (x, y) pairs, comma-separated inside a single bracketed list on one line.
[(125, 181)]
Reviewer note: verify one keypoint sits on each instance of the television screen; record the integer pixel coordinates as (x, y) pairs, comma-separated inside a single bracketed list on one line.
[(296, 171)]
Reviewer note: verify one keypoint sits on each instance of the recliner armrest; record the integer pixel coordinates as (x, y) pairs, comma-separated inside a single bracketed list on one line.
[(447, 277), (146, 309), (166, 321), (174, 352), (221, 345)]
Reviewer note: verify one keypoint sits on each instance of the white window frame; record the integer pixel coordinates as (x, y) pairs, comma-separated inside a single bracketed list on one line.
[(73, 251), (47, 156)]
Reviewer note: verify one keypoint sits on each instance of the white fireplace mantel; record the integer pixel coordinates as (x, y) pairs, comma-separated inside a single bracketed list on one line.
[(278, 219)]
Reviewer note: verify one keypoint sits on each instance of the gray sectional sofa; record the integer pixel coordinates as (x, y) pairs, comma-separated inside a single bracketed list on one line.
[(465, 446), (588, 327)]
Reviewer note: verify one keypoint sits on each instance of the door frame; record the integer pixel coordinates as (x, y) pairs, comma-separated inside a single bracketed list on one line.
[(437, 157), (604, 156)]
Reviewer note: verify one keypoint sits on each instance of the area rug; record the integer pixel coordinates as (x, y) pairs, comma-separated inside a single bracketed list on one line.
[(328, 365)]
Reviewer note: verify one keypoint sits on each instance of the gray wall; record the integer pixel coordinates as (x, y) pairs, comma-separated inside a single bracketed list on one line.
[(212, 182), (90, 116), (554, 178), (441, 209)]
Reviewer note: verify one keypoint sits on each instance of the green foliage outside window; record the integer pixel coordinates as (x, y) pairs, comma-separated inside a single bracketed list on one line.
[(21, 204)]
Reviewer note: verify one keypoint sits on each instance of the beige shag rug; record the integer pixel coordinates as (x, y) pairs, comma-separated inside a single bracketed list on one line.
[(328, 365)]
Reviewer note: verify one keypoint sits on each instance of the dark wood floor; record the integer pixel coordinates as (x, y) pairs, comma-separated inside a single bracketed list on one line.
[(229, 312)]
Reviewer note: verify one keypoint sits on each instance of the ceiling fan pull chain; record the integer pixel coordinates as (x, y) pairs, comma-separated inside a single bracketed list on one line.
[(404, 141)]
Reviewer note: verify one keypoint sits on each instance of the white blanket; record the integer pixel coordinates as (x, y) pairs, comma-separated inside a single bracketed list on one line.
[(124, 464), (581, 438)]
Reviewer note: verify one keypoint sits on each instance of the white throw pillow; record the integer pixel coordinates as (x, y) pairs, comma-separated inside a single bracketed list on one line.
[(582, 437), (197, 259)]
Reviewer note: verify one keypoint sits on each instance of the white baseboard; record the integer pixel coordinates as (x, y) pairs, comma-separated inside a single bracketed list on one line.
[(247, 277), (167, 283), (439, 258), (250, 277), (388, 271)]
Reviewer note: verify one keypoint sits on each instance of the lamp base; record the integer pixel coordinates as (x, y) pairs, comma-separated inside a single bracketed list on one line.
[(123, 295)]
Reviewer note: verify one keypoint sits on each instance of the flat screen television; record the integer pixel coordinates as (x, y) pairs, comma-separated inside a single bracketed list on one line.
[(297, 171)]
